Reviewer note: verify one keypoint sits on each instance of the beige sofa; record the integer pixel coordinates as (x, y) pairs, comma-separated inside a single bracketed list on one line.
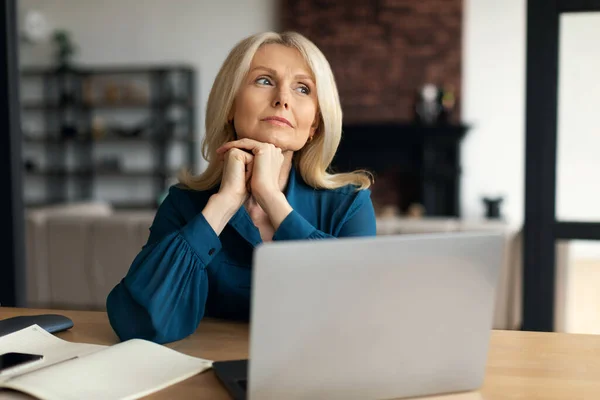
[(39, 268), (77, 253)]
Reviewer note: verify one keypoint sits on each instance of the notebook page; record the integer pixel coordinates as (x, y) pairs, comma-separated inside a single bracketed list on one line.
[(128, 370), (36, 340)]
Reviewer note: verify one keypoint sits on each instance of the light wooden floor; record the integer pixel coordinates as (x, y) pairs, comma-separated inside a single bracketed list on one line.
[(583, 297)]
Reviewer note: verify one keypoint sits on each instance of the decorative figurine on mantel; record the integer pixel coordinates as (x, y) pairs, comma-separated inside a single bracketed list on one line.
[(448, 101), (434, 105), (428, 107)]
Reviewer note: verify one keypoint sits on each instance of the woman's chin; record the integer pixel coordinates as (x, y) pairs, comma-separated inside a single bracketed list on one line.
[(271, 136), (276, 137)]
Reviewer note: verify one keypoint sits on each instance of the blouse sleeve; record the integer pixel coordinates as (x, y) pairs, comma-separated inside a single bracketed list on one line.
[(359, 220), (163, 296)]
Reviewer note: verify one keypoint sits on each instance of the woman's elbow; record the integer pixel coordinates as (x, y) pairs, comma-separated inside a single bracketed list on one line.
[(131, 320), (128, 319)]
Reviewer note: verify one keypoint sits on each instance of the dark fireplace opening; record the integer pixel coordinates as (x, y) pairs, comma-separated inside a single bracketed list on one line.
[(395, 191), (416, 168)]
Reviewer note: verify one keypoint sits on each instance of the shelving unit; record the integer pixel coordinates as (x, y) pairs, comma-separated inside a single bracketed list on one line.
[(81, 126)]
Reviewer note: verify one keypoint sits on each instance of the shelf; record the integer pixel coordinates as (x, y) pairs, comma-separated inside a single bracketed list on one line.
[(117, 205), (98, 172), (54, 139), (35, 105), (108, 70), (65, 98), (42, 203), (160, 104), (131, 173)]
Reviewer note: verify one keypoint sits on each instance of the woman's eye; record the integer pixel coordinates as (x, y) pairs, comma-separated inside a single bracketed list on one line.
[(303, 89), (263, 81)]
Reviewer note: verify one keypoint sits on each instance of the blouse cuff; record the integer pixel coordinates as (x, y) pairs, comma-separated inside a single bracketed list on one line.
[(294, 227), (202, 238)]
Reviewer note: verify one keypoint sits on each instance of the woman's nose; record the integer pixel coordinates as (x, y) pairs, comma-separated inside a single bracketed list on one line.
[(281, 100)]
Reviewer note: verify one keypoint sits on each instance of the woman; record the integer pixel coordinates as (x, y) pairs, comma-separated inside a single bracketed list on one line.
[(273, 124)]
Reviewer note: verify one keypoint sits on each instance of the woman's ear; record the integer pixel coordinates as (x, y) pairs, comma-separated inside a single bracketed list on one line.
[(231, 113), (315, 124), (232, 123), (313, 132)]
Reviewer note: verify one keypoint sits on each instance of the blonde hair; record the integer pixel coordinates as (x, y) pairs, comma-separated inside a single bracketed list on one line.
[(314, 159)]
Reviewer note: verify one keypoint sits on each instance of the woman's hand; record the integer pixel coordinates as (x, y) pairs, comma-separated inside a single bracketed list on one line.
[(265, 183), (237, 170), (266, 168), (233, 192)]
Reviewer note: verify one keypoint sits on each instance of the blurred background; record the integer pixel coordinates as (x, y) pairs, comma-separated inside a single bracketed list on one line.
[(113, 96)]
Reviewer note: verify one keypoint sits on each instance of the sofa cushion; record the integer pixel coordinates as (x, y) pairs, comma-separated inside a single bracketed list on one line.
[(36, 244)]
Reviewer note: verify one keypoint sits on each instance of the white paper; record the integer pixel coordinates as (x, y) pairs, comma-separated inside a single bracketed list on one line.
[(128, 370), (36, 340)]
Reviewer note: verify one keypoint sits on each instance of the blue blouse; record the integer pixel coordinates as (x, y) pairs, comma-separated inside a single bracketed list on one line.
[(185, 271)]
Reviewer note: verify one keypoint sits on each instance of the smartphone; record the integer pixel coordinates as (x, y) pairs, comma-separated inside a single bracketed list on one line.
[(11, 360)]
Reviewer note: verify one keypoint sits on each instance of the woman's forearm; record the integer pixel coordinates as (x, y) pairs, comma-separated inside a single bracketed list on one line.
[(218, 211), (277, 208)]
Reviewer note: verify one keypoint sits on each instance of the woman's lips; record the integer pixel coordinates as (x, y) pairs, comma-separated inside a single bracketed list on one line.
[(279, 121)]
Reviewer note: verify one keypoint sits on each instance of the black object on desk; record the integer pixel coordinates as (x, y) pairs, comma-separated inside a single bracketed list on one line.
[(234, 376), (49, 322)]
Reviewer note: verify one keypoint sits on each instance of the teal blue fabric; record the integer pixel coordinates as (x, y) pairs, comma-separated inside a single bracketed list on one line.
[(185, 271)]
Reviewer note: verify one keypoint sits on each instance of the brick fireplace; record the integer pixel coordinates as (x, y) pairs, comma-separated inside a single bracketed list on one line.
[(382, 52)]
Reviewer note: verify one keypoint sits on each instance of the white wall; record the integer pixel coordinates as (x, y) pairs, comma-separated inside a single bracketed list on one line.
[(197, 32), (493, 102), (578, 163)]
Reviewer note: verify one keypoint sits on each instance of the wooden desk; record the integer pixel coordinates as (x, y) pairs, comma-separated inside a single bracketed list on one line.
[(521, 365)]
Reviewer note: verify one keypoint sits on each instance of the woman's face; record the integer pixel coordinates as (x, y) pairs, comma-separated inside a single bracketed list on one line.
[(277, 103)]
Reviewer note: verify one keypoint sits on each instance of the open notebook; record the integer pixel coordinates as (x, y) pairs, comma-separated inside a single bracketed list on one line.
[(128, 370)]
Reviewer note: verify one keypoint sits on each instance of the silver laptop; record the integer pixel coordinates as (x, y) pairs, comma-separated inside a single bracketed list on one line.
[(369, 318)]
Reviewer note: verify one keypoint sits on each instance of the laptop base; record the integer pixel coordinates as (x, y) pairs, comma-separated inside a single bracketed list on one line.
[(234, 376)]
